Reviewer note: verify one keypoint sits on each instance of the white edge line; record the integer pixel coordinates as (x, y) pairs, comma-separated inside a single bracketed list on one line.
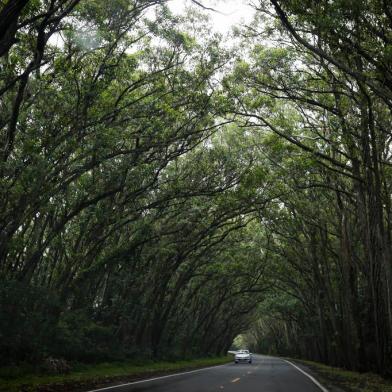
[(308, 375), (156, 378)]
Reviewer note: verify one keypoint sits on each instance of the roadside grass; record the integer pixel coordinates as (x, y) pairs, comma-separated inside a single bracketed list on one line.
[(83, 377), (346, 380)]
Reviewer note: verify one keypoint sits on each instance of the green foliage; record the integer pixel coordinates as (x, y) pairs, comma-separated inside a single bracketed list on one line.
[(126, 195), (316, 93), (75, 330), (161, 192), (28, 317)]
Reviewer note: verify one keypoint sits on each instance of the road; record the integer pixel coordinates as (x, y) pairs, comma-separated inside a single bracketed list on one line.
[(265, 374)]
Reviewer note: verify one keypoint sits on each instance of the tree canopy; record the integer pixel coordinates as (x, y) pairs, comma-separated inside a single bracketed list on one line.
[(163, 190)]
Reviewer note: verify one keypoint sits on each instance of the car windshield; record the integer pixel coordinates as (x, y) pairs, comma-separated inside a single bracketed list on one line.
[(243, 351)]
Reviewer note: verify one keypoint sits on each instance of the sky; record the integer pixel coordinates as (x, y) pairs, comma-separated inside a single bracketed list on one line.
[(231, 12)]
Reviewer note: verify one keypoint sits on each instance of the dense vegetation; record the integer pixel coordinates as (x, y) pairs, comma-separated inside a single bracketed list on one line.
[(325, 88), (162, 192)]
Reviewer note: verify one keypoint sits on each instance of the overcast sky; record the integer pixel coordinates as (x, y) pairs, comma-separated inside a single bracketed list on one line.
[(231, 12)]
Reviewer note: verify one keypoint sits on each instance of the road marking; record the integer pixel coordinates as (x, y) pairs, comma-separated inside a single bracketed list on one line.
[(155, 378), (235, 380), (308, 375)]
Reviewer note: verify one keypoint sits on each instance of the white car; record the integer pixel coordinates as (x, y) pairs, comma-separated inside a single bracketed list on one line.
[(243, 356)]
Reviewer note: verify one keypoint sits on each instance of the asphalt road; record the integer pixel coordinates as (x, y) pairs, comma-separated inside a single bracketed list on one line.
[(265, 374)]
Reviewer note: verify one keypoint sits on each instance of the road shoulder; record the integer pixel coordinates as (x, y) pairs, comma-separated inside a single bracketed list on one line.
[(341, 380), (105, 375)]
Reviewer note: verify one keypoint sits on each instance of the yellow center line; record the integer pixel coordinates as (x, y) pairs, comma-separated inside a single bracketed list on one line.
[(235, 380)]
